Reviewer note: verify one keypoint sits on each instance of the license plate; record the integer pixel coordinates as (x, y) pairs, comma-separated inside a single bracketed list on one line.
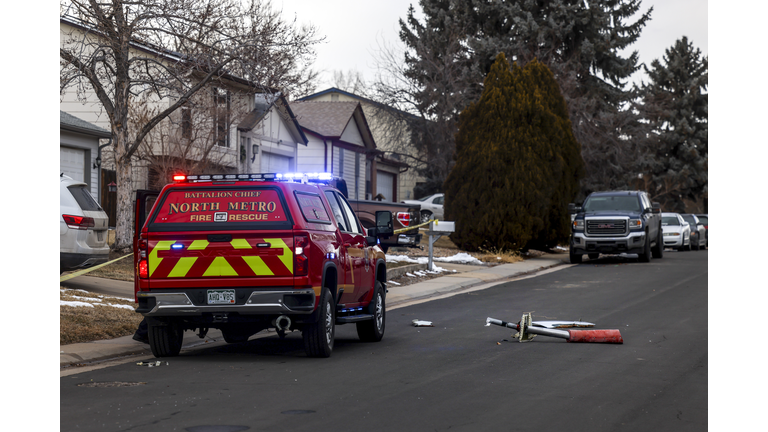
[(221, 296), (99, 235)]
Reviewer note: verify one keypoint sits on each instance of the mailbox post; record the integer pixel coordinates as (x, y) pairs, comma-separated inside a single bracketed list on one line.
[(437, 230)]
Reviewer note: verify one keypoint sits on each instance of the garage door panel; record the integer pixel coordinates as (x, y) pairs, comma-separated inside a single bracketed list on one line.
[(72, 163)]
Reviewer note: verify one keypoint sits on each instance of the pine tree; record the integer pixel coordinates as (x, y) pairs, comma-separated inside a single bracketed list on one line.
[(675, 103), (581, 41), (517, 162)]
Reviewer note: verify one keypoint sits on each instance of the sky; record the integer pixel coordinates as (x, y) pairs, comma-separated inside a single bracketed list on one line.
[(355, 29)]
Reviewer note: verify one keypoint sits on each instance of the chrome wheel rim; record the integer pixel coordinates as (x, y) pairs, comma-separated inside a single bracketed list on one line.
[(328, 323), (379, 312)]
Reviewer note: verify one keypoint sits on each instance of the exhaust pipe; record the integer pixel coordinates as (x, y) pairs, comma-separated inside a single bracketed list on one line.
[(282, 323)]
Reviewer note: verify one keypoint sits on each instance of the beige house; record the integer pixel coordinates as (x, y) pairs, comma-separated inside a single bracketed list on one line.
[(210, 131), (391, 137), (340, 142)]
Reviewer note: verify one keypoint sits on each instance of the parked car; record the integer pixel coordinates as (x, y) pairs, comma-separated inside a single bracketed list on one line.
[(431, 205), (677, 232), (82, 225), (703, 218), (698, 232)]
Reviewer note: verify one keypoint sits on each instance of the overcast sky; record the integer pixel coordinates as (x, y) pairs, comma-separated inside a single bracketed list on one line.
[(354, 29)]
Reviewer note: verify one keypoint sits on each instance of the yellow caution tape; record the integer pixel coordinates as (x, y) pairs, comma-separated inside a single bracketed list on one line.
[(84, 271), (416, 226)]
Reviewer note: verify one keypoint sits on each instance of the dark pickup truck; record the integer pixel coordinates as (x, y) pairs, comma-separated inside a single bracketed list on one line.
[(616, 222)]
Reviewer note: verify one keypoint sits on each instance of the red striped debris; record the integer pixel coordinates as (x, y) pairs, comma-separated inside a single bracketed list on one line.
[(527, 329)]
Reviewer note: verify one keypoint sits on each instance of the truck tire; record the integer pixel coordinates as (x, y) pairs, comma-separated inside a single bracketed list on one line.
[(165, 340), (575, 258), (645, 256), (319, 336), (373, 330), (658, 250)]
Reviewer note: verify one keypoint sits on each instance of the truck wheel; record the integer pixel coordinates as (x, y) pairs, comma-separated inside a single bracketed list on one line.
[(575, 258), (425, 216), (318, 337), (658, 251), (373, 330), (165, 340), (646, 255)]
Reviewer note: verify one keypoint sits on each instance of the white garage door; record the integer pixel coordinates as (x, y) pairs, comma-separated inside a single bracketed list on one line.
[(272, 163), (384, 181), (73, 163)]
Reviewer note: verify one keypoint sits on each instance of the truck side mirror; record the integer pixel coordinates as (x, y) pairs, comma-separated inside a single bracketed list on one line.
[(573, 208), (656, 207), (384, 223)]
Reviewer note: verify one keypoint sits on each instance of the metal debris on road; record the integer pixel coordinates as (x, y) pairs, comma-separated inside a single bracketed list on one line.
[(151, 364), (527, 330), (420, 323)]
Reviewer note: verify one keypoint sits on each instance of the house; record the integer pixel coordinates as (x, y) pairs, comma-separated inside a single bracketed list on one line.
[(201, 136), (271, 136), (340, 142), (80, 150), (392, 139)]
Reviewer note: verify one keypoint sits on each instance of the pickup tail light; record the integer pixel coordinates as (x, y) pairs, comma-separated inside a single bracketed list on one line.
[(143, 265), (78, 222), (404, 218), (300, 258)]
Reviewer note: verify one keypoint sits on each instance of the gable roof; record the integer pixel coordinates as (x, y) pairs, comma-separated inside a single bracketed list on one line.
[(358, 97), (284, 111), (73, 124), (330, 119)]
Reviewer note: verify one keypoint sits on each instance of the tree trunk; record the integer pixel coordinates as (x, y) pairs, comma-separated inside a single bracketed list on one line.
[(124, 227)]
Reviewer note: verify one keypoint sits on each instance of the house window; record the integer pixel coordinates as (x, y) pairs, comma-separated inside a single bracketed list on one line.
[(221, 116)]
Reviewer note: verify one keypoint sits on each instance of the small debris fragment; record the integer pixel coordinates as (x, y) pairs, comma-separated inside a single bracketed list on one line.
[(420, 323), (151, 364)]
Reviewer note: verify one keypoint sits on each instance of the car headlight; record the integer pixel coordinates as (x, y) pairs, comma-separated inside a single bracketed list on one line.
[(578, 224), (635, 224)]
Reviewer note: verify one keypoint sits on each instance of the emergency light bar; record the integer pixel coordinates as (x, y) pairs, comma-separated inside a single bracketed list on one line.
[(288, 177)]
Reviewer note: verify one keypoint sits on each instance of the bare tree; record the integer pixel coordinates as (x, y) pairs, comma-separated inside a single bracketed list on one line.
[(165, 51)]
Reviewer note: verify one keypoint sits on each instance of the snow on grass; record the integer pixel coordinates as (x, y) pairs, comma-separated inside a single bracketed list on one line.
[(75, 303), (461, 258)]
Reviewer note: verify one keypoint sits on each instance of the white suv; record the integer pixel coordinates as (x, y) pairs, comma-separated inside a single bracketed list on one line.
[(83, 227)]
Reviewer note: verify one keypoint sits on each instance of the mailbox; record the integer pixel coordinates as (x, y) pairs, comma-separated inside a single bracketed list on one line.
[(442, 227)]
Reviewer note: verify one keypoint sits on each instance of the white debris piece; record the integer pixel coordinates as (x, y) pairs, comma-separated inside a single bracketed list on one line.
[(420, 323)]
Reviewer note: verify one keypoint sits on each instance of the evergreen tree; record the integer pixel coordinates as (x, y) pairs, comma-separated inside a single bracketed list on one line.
[(517, 162), (675, 103), (579, 40)]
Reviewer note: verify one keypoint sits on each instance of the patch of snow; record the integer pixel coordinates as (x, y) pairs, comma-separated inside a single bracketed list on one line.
[(392, 282), (462, 258), (410, 274), (74, 303), (119, 306), (560, 248)]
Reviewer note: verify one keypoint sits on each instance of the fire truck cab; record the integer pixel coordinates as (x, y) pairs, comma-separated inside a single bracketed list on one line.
[(246, 252)]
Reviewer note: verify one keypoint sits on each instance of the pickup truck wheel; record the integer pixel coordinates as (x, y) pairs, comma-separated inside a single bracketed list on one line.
[(658, 251), (373, 330), (165, 340), (425, 216), (575, 258), (646, 255), (319, 336)]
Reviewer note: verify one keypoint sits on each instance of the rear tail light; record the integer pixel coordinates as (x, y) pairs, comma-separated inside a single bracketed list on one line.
[(143, 267), (78, 222), (300, 258), (404, 218)]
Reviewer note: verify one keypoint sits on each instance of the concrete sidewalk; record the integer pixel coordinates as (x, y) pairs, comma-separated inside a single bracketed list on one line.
[(464, 278)]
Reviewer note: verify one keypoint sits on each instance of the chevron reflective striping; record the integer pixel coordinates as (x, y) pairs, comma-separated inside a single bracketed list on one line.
[(221, 259)]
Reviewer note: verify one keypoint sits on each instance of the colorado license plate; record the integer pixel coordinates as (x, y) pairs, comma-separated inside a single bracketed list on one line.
[(221, 296)]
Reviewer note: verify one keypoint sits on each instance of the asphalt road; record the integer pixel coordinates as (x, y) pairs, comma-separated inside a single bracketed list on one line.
[(459, 375)]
